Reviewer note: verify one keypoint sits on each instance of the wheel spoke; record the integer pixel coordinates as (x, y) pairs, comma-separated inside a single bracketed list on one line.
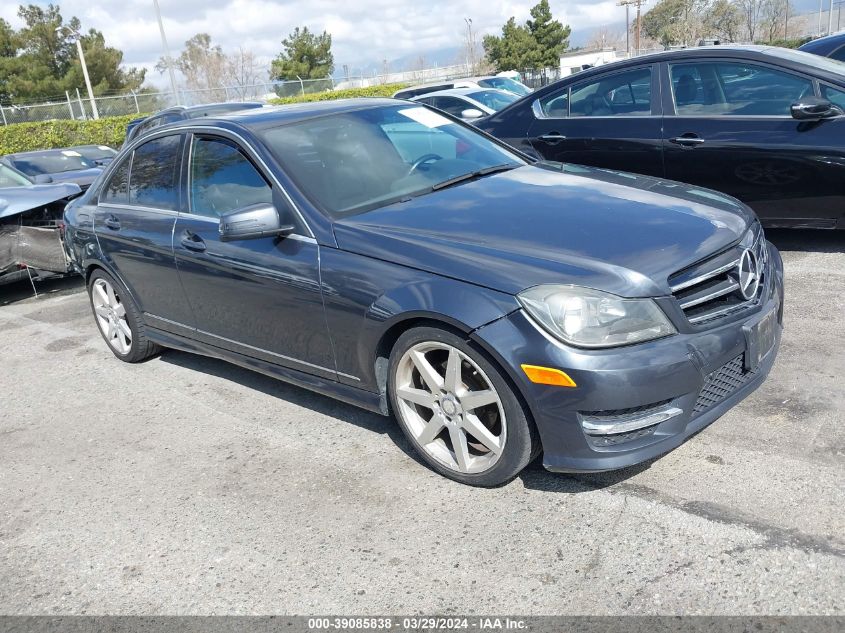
[(453, 371), (431, 430), (111, 296), (102, 311), (124, 328), (417, 396), (112, 333), (475, 399), (432, 379), (101, 293), (480, 432), (120, 311), (459, 446)]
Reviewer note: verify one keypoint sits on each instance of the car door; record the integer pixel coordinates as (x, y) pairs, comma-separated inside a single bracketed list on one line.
[(133, 221), (608, 120), (729, 127), (259, 297)]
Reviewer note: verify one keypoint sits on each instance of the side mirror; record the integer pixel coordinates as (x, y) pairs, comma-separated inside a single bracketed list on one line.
[(252, 222), (472, 113), (813, 109), (42, 179)]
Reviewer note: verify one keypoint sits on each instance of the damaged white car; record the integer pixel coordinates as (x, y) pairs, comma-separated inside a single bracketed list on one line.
[(31, 229)]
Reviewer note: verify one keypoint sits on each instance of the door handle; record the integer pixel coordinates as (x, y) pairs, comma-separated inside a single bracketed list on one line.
[(192, 242), (552, 137), (112, 222), (688, 141)]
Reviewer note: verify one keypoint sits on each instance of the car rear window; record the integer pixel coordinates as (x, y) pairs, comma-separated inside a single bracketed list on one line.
[(54, 163)]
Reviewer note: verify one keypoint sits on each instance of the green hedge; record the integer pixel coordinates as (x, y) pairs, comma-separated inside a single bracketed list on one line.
[(22, 137), (385, 90)]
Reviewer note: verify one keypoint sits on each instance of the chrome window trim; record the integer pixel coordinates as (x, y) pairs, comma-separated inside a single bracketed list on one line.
[(257, 349), (138, 207)]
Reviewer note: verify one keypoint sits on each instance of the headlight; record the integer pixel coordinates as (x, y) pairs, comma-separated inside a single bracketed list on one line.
[(589, 318)]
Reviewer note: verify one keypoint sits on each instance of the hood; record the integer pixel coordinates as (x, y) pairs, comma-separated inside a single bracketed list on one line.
[(82, 177), (16, 200), (566, 224)]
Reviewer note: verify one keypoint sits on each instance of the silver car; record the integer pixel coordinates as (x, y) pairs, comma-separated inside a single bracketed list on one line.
[(468, 104)]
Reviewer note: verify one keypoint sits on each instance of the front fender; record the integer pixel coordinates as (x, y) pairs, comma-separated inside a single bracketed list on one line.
[(366, 298)]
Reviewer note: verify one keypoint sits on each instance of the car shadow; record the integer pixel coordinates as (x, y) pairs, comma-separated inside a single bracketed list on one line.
[(298, 396), (21, 290), (534, 477), (807, 240)]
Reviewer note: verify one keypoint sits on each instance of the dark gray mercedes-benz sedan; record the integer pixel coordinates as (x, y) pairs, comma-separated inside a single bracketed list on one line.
[(395, 258)]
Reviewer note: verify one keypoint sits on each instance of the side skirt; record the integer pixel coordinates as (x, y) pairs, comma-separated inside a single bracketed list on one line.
[(377, 403)]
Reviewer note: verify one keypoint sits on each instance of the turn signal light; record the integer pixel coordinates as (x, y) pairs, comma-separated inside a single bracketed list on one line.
[(548, 376)]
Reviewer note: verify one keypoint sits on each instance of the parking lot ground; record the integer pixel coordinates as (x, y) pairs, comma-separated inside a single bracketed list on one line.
[(184, 485)]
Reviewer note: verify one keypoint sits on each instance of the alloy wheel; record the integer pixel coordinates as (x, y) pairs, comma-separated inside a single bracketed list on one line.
[(111, 316), (450, 407)]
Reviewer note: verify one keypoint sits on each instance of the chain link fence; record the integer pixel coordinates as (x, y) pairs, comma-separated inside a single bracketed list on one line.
[(76, 105)]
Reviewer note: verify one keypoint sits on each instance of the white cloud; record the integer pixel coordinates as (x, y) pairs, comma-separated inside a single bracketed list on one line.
[(363, 31)]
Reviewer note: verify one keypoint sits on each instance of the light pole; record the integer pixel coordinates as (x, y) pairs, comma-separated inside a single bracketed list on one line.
[(166, 53), (627, 4), (470, 46), (830, 18), (76, 35)]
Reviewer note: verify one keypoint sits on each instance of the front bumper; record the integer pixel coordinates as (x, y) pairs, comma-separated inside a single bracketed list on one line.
[(700, 373)]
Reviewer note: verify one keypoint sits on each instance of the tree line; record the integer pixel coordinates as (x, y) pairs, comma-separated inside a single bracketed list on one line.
[(39, 61), (685, 22)]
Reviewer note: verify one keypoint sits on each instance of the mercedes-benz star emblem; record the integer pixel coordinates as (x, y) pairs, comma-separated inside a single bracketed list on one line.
[(748, 276)]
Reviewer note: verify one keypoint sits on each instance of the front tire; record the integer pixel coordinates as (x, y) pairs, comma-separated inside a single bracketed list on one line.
[(119, 319), (458, 409)]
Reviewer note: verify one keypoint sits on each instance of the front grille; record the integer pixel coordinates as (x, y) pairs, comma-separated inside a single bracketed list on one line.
[(711, 289), (721, 383)]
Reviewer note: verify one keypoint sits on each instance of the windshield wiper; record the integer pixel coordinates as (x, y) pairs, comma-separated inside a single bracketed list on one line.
[(473, 175)]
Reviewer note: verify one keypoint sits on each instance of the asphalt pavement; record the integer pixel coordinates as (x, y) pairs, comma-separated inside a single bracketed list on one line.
[(184, 485)]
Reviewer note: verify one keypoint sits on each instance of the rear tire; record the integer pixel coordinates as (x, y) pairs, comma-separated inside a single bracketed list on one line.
[(118, 319), (458, 409)]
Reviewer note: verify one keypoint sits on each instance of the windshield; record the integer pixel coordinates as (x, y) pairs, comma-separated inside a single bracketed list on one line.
[(96, 152), (505, 83), (10, 178), (355, 161), (52, 163), (494, 99)]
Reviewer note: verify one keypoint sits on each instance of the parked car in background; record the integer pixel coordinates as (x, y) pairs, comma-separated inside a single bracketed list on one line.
[(762, 124), (468, 103), (180, 113), (832, 46), (100, 155), (386, 255), (54, 165), (497, 82), (30, 224)]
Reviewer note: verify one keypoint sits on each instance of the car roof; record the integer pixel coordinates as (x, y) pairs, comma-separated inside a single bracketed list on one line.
[(750, 52), (457, 92), (824, 43), (272, 116), (209, 107)]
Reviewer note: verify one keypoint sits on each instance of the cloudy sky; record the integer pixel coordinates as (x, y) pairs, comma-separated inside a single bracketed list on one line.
[(363, 31)]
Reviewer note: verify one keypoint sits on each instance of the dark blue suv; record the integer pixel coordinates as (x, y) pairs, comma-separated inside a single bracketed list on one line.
[(395, 258)]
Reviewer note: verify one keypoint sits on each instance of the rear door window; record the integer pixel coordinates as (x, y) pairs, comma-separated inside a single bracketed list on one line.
[(116, 190), (154, 179)]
